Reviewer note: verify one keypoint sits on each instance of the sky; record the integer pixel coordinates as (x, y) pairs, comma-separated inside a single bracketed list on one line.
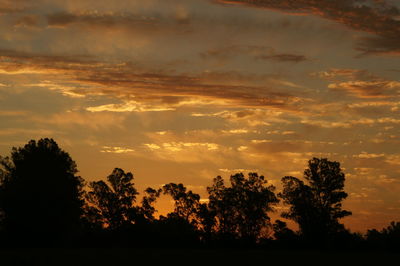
[(185, 90)]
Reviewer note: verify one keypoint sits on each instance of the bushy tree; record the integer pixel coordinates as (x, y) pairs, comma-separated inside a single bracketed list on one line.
[(241, 210), (40, 194), (388, 238), (316, 203), (111, 203)]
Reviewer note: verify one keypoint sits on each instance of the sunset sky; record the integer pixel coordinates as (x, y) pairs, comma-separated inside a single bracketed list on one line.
[(185, 90)]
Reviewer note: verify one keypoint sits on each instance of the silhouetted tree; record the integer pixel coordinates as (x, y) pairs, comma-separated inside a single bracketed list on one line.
[(316, 205), (40, 194), (146, 210), (112, 205), (388, 238), (241, 210), (187, 203), (284, 234), (180, 227)]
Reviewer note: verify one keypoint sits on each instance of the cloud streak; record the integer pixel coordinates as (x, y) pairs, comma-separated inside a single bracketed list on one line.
[(129, 81), (376, 17), (255, 52)]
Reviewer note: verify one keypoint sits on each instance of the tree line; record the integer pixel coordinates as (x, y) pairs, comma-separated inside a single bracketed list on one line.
[(43, 202)]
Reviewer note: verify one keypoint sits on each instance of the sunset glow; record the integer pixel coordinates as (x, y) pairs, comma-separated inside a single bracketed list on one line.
[(185, 90)]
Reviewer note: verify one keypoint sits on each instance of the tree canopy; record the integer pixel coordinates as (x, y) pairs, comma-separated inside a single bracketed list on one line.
[(316, 203), (41, 195), (241, 210), (111, 203)]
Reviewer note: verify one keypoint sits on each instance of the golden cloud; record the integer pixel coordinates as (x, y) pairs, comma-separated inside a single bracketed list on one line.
[(369, 89), (118, 150), (128, 81)]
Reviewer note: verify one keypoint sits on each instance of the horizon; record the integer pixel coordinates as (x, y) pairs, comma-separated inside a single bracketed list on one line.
[(186, 90)]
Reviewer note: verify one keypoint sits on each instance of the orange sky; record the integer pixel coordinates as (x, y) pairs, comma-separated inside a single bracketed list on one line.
[(185, 90)]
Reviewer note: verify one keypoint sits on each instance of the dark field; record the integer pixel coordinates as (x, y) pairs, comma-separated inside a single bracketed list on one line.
[(191, 257)]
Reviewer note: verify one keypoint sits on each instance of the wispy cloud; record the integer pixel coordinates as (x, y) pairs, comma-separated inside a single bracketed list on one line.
[(128, 81), (108, 149), (369, 89)]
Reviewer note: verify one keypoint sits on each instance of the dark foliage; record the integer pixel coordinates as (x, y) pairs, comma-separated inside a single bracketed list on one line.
[(112, 205), (187, 204), (316, 203), (42, 203), (41, 195), (241, 210), (283, 234), (387, 238)]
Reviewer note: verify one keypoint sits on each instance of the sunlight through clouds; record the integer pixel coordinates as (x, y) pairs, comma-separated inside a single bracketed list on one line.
[(186, 90)]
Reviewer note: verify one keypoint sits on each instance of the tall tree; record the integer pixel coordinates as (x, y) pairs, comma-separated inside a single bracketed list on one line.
[(111, 203), (241, 210), (40, 193), (316, 203)]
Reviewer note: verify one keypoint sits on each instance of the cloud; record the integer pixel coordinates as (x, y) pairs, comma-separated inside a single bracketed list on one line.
[(189, 152), (130, 81), (360, 83), (258, 141), (343, 72), (376, 17), (365, 155), (236, 131), (284, 58), (179, 146), (256, 52), (130, 22), (108, 149), (369, 89), (28, 21), (350, 123), (393, 159), (19, 62), (131, 106), (26, 132), (96, 121), (13, 113), (233, 171), (252, 117), (72, 90), (152, 146), (373, 104), (13, 6)]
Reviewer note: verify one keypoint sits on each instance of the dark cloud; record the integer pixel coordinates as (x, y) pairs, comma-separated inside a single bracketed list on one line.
[(380, 45), (13, 6), (256, 52), (17, 61), (376, 17), (127, 21), (28, 21), (284, 58), (61, 19)]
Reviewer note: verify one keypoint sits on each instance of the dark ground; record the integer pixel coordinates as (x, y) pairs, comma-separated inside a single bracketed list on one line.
[(120, 256)]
